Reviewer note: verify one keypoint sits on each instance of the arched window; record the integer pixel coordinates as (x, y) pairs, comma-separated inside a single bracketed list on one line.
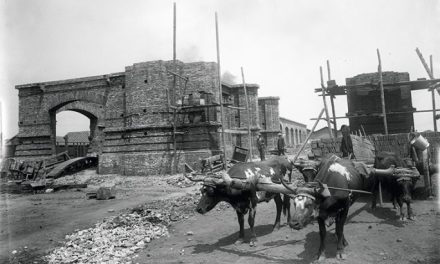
[(296, 135), (292, 137)]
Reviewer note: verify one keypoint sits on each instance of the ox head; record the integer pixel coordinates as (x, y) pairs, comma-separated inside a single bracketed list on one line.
[(211, 193), (308, 169), (305, 206), (306, 202), (210, 197)]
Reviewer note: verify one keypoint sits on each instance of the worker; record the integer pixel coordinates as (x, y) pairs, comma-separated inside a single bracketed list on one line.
[(280, 144), (346, 144), (261, 145)]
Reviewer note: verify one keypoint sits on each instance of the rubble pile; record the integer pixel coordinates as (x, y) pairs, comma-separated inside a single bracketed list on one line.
[(172, 209), (113, 240), (180, 181)]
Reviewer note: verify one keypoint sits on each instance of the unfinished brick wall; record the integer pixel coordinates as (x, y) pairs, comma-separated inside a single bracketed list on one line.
[(140, 135), (131, 122), (366, 100)]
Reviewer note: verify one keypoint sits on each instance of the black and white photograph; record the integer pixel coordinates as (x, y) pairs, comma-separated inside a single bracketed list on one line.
[(219, 131)]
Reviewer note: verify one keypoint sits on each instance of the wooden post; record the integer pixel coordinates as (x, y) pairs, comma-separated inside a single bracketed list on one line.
[(434, 120), (382, 94), (220, 90), (335, 126), (425, 65), (173, 97), (427, 69), (249, 115), (325, 104), (308, 136)]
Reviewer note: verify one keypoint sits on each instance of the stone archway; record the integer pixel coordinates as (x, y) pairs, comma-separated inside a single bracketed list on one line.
[(40, 102)]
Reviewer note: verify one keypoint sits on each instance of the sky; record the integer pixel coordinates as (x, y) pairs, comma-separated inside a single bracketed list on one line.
[(279, 43)]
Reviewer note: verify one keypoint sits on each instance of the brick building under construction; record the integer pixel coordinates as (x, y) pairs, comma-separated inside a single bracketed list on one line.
[(149, 119)]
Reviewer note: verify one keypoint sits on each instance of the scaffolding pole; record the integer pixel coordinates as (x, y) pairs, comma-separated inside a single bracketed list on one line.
[(325, 104), (332, 102), (249, 115), (382, 94), (434, 120), (430, 71), (220, 90)]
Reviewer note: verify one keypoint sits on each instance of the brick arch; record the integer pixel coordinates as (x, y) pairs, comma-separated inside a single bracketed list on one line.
[(91, 110), (58, 100)]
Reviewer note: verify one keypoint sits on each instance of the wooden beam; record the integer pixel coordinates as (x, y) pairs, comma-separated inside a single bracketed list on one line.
[(380, 114), (308, 136), (325, 104), (220, 90), (425, 65), (382, 95), (235, 107), (249, 115), (335, 126), (434, 120)]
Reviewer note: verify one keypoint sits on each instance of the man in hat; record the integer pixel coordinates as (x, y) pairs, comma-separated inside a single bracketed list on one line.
[(280, 144), (261, 145)]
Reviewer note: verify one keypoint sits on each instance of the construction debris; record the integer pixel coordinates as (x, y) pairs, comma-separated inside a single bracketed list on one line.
[(112, 240)]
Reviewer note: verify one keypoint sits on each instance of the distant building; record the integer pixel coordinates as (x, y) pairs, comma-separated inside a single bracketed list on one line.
[(294, 132)]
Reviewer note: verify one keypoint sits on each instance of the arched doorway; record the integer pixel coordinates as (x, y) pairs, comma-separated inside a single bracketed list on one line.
[(73, 133), (288, 139), (84, 122)]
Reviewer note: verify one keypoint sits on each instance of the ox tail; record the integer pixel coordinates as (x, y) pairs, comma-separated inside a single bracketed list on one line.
[(286, 204)]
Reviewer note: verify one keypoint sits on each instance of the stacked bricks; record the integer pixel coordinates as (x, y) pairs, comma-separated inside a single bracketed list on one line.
[(399, 144), (363, 149), (366, 148)]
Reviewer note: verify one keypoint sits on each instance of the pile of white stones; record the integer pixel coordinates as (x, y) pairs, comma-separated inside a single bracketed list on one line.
[(113, 240)]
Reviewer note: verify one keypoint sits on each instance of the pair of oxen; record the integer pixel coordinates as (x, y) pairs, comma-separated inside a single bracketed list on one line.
[(332, 185)]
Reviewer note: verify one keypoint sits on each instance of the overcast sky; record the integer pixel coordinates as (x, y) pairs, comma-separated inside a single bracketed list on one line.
[(280, 44)]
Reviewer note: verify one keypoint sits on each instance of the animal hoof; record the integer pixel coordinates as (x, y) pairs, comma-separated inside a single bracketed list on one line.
[(412, 218), (252, 244), (320, 257), (341, 255)]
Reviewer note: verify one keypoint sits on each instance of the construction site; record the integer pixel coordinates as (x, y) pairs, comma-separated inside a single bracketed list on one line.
[(123, 192)]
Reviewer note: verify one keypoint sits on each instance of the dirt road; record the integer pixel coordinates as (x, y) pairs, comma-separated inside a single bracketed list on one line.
[(35, 224), (376, 237)]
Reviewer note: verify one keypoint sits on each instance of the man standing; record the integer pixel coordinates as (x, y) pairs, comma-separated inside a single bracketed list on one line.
[(261, 146), (346, 143), (280, 144)]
